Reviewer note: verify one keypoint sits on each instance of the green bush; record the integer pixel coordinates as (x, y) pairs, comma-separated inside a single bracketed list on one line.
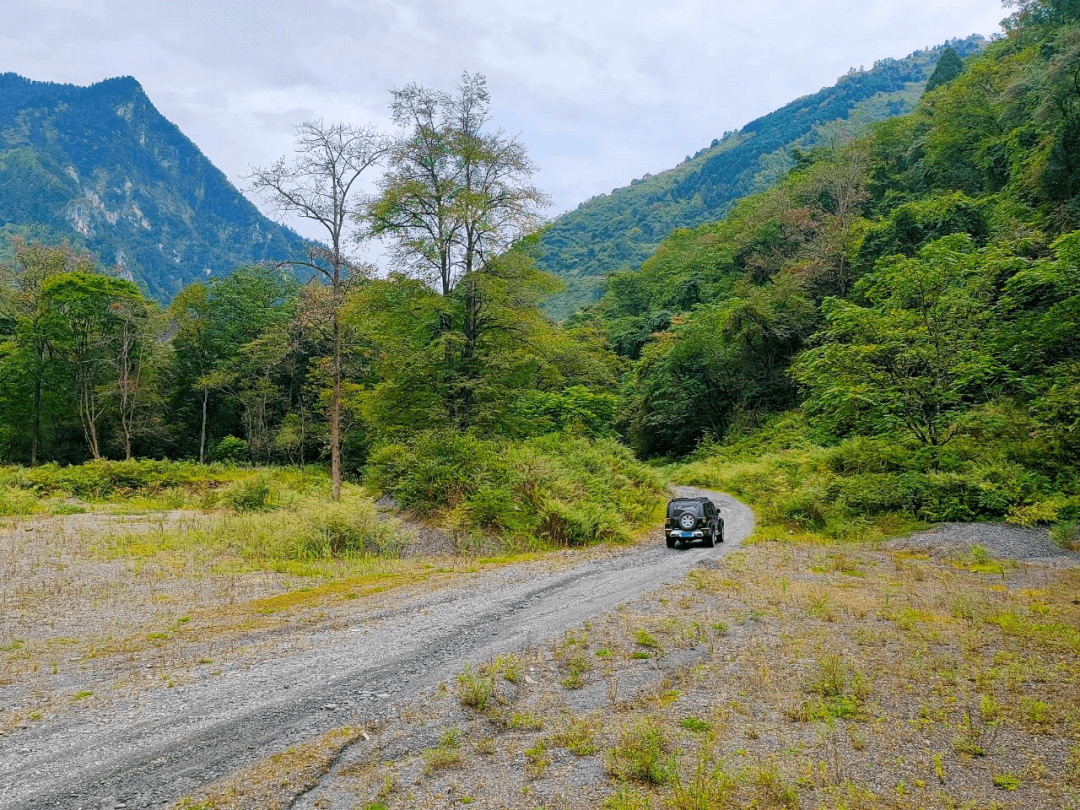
[(839, 490), (230, 448), (250, 495), (558, 489)]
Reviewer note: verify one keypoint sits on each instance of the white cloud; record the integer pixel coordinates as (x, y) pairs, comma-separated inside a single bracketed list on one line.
[(601, 92)]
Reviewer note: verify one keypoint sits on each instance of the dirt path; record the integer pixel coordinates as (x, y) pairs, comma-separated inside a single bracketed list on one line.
[(158, 746)]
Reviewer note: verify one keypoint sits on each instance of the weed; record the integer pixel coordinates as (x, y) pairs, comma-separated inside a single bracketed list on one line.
[(508, 665), (693, 724), (821, 607), (975, 734), (710, 787), (538, 758), (1038, 714), (447, 754), (577, 736), (772, 787), (646, 639), (627, 798), (1007, 781), (527, 721), (575, 666), (475, 689), (642, 754)]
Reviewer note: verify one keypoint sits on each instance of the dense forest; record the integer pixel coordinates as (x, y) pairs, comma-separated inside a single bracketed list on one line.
[(901, 309)]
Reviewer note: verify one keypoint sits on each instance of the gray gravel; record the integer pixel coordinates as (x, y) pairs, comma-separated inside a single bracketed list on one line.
[(150, 751), (1000, 540)]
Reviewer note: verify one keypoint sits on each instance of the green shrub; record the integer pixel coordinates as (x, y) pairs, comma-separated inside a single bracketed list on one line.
[(558, 489), (642, 754), (230, 448), (840, 491), (1067, 534), (251, 495), (475, 689), (17, 502), (311, 529)]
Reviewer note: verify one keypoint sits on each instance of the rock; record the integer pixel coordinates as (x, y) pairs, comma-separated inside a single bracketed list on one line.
[(386, 504)]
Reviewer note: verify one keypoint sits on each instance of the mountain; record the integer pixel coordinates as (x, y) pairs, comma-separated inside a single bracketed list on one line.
[(103, 168), (620, 230)]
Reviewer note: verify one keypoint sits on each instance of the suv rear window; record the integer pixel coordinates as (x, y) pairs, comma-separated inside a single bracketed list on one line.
[(678, 507)]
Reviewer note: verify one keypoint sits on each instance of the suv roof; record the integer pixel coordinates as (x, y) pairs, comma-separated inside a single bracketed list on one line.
[(699, 499)]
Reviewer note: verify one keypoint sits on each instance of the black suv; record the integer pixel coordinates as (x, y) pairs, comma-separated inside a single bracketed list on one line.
[(693, 519)]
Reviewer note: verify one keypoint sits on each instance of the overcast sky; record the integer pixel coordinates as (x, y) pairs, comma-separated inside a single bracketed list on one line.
[(600, 92)]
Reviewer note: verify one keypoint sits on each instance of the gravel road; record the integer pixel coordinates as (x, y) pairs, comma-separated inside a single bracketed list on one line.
[(150, 751)]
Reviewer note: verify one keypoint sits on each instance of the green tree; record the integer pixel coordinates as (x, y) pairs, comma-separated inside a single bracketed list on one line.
[(727, 360), (430, 369), (86, 313), (915, 355), (33, 335), (455, 199), (233, 349), (949, 66)]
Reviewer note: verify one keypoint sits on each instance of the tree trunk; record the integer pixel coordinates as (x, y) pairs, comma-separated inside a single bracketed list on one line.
[(335, 410), (35, 428), (202, 428)]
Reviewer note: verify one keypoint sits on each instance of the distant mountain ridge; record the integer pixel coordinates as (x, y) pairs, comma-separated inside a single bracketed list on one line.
[(101, 166), (620, 230)]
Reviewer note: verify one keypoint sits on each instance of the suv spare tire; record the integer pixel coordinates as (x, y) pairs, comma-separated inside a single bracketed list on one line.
[(687, 520)]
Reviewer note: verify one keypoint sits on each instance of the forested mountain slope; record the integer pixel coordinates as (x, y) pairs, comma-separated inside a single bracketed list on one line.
[(620, 230), (911, 299), (102, 167)]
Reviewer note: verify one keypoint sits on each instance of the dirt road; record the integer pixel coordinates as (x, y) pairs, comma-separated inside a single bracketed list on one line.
[(154, 749)]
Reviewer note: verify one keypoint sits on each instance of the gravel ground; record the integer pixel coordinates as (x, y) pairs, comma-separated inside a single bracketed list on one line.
[(1000, 540), (148, 748)]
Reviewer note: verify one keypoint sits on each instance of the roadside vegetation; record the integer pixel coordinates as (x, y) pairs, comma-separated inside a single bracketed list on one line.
[(862, 488)]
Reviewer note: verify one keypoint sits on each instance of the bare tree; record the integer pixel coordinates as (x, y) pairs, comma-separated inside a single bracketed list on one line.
[(321, 185)]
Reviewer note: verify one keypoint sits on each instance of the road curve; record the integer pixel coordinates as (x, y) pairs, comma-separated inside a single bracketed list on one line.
[(151, 754)]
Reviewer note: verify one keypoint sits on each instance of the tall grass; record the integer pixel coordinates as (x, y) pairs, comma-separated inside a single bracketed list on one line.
[(151, 484), (557, 489), (307, 530)]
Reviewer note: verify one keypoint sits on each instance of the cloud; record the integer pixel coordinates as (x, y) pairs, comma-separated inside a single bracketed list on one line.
[(601, 92)]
